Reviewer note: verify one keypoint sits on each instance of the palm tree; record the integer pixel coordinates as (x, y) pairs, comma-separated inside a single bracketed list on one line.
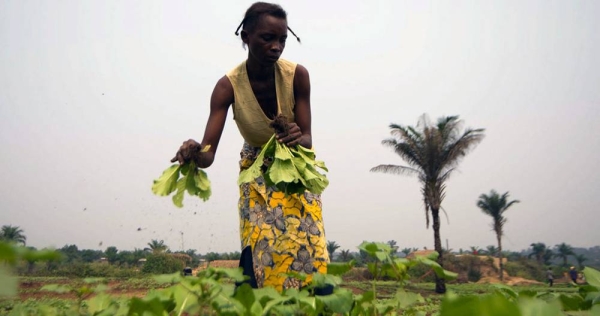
[(332, 246), (156, 246), (394, 246), (475, 250), (491, 250), (580, 259), (13, 234), (537, 250), (345, 256), (513, 255), (432, 151), (541, 253), (495, 205), (564, 251), (548, 255)]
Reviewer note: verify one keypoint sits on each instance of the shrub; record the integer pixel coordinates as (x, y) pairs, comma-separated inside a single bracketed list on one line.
[(162, 264), (473, 274), (421, 273), (527, 269), (86, 270)]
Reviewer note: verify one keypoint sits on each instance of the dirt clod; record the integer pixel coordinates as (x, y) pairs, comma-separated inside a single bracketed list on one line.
[(280, 124)]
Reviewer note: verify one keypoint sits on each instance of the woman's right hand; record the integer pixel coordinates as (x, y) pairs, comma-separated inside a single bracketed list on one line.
[(191, 150)]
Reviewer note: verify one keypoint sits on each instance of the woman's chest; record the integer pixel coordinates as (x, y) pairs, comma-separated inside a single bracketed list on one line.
[(266, 96)]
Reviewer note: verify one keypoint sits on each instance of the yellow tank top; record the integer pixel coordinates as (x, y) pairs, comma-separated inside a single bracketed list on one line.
[(247, 113)]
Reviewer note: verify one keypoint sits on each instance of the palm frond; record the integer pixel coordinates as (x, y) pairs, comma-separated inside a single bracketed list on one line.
[(407, 143), (404, 150), (394, 169), (447, 217), (511, 203), (459, 148)]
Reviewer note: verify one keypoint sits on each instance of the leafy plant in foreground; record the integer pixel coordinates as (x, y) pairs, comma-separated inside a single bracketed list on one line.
[(293, 169), (194, 180), (212, 292)]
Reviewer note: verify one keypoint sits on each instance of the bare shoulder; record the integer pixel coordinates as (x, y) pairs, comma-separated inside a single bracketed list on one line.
[(301, 72), (224, 84), (223, 92), (301, 77)]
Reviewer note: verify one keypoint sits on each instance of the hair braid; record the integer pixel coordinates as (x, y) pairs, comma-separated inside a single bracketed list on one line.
[(256, 10)]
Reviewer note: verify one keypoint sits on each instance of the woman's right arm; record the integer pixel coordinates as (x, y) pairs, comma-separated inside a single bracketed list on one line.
[(221, 99)]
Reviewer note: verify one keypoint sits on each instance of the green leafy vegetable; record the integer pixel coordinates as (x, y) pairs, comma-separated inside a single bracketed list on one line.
[(193, 180), (293, 170)]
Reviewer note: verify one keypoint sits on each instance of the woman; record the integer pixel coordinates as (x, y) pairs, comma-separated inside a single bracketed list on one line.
[(280, 234)]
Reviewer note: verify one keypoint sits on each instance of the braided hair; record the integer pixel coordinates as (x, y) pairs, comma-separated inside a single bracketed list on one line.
[(256, 10)]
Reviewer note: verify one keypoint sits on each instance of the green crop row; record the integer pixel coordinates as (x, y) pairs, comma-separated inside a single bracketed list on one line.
[(211, 292)]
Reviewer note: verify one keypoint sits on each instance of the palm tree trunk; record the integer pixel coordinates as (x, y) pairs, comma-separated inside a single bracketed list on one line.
[(440, 283), (499, 237)]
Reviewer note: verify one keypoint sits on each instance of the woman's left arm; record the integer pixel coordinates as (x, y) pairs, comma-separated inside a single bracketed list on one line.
[(300, 131)]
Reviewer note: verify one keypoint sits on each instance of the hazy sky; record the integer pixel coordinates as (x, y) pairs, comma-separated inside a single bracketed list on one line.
[(97, 96)]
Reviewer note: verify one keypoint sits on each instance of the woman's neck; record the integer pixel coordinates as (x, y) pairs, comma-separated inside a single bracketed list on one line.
[(258, 71)]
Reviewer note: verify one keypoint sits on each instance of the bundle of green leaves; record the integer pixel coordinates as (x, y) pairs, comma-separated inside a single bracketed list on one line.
[(193, 180), (293, 170)]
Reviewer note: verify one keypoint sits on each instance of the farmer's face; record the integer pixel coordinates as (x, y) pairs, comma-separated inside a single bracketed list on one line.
[(267, 41)]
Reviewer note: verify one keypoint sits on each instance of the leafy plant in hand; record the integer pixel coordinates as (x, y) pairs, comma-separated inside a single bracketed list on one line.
[(193, 180), (293, 170)]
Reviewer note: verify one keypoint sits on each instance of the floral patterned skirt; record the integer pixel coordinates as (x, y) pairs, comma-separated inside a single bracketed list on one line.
[(284, 232)]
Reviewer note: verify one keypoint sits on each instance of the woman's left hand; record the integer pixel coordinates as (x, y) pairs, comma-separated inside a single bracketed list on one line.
[(293, 137)]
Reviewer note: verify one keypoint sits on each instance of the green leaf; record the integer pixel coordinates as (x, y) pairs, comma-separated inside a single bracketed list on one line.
[(245, 296), (591, 294), (373, 248), (366, 297), (256, 308), (185, 300), (282, 152), (283, 171), (166, 184), (536, 307), (193, 180), (339, 268), (254, 171), (340, 301), (100, 303), (322, 280), (592, 276), (178, 197), (406, 299), (506, 290), (293, 169), (190, 181), (528, 293), (154, 306), (8, 253), (439, 271), (309, 153), (201, 180), (168, 278), (463, 305), (41, 255), (385, 307), (8, 283), (236, 274), (570, 302)]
